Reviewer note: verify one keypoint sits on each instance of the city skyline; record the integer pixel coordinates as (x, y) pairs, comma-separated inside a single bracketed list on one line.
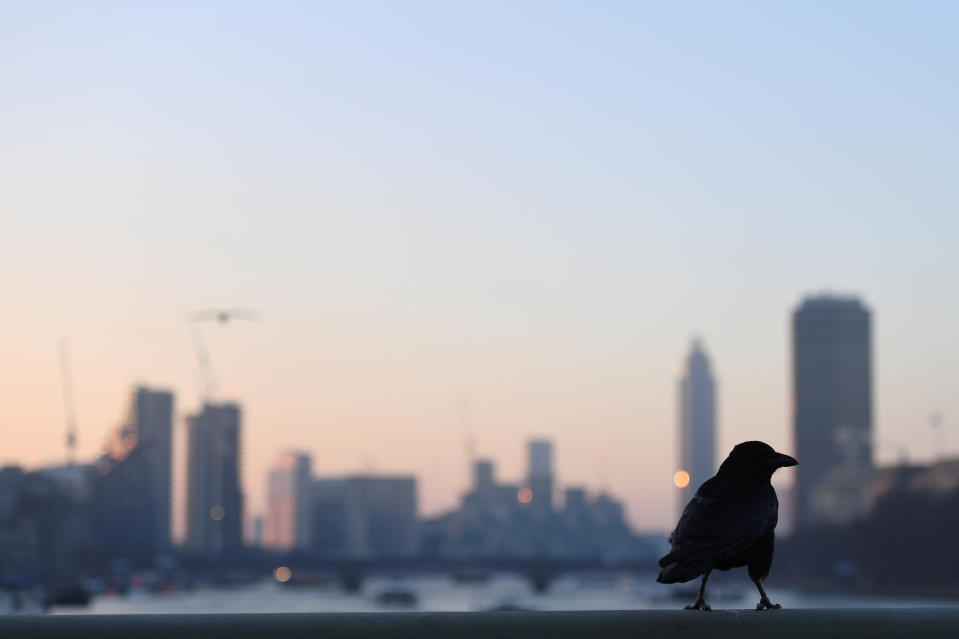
[(452, 202), (179, 504), (831, 352)]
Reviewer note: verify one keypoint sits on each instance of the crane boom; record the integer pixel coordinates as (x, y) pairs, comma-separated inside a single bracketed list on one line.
[(69, 409), (207, 379), (466, 422), (223, 316)]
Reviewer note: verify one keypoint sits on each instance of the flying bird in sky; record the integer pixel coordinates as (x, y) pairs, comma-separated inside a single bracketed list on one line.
[(729, 523), (222, 315)]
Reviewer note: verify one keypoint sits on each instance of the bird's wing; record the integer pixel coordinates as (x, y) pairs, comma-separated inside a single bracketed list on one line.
[(720, 521), (201, 316), (241, 313)]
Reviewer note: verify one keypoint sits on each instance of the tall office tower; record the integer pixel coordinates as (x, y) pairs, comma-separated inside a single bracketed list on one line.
[(214, 500), (697, 422), (540, 477), (133, 485), (287, 525), (152, 422), (832, 403)]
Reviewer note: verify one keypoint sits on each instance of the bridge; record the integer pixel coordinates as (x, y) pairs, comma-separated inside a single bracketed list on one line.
[(540, 571), (659, 624)]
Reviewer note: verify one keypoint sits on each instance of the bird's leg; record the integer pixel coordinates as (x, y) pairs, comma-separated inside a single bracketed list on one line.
[(701, 602), (764, 603)]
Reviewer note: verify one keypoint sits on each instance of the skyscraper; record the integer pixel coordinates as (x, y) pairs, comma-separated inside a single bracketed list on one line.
[(697, 422), (133, 486), (540, 477), (214, 498), (152, 419), (288, 519), (832, 403)]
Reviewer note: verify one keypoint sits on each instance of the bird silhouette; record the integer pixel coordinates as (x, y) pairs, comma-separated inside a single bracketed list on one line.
[(729, 523), (222, 315)]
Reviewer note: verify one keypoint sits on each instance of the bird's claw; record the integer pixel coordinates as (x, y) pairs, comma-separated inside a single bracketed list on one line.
[(765, 604), (699, 605)]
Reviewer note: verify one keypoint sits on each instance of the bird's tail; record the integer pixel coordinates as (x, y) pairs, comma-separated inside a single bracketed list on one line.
[(677, 568)]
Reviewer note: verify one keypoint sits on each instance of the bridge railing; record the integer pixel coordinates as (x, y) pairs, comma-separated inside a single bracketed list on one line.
[(720, 624)]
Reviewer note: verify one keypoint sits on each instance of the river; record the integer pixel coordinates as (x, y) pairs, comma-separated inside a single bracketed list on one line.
[(436, 593)]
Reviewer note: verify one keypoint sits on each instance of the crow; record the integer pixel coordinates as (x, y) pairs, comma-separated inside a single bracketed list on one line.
[(729, 523)]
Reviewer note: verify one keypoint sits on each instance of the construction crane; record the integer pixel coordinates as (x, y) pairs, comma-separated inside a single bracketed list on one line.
[(463, 408), (223, 316), (69, 409), (935, 421)]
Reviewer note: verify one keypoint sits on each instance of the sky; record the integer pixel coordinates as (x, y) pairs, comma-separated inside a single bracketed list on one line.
[(527, 208)]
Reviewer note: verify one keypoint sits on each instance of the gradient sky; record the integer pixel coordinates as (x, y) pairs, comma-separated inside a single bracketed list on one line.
[(530, 205)]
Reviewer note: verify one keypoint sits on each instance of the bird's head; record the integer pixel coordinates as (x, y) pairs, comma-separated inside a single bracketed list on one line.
[(755, 459)]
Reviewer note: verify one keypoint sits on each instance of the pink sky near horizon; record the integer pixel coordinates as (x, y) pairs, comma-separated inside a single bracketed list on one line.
[(383, 400)]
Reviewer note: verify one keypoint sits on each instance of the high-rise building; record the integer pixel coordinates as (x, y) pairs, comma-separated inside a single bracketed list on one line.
[(697, 422), (832, 404), (214, 519), (287, 524), (152, 419), (132, 492), (540, 474)]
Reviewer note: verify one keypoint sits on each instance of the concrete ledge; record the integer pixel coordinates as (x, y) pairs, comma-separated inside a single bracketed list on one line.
[(720, 624)]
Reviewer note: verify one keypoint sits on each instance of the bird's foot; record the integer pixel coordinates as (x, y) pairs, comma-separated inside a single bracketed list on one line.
[(765, 604), (699, 605)]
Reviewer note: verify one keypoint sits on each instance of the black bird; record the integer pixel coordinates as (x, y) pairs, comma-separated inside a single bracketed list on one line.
[(729, 523)]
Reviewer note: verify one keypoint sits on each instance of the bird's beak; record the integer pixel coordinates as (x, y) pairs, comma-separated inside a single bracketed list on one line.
[(780, 460)]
